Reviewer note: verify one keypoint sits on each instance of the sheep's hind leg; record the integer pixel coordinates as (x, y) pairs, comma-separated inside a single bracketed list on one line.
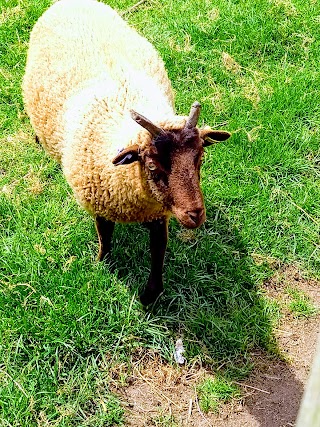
[(104, 229), (158, 243)]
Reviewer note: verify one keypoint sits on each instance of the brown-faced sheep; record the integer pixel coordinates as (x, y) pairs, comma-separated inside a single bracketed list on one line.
[(87, 74)]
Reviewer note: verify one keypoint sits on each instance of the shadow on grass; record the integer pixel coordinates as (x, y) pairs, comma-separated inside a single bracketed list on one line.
[(212, 301), (210, 296)]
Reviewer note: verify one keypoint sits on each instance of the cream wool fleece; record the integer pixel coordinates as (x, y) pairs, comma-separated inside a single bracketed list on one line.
[(86, 68)]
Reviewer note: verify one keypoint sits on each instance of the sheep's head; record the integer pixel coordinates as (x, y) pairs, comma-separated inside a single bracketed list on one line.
[(172, 162)]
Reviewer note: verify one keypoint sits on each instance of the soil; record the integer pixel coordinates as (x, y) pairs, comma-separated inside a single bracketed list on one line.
[(158, 393)]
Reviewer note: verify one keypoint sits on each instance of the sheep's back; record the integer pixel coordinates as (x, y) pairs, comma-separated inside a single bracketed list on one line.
[(76, 41)]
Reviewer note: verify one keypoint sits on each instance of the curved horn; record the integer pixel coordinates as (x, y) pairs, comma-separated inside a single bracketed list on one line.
[(194, 115), (146, 123)]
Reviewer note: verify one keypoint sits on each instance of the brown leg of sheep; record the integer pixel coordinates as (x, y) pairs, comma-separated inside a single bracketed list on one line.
[(104, 229), (158, 243)]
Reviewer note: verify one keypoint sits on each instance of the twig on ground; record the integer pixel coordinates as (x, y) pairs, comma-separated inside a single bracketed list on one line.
[(190, 409), (132, 8), (200, 412), (253, 388), (288, 333), (271, 377)]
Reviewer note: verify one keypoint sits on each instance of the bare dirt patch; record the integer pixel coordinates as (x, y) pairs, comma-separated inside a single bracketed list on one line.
[(162, 395)]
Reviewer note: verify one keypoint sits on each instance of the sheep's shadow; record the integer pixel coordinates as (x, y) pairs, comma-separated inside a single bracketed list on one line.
[(210, 293), (211, 299), (275, 394)]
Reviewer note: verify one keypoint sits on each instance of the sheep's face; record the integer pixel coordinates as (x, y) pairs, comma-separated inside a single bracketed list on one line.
[(172, 164)]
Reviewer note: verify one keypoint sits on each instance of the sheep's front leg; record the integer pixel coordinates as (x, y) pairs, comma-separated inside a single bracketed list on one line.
[(104, 229), (158, 243)]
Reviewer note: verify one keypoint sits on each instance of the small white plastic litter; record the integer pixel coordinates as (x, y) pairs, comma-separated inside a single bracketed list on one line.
[(179, 349)]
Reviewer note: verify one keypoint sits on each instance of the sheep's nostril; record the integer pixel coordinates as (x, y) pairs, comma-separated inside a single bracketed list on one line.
[(195, 215)]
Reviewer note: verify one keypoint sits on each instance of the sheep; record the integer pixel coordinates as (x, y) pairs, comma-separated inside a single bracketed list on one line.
[(101, 103)]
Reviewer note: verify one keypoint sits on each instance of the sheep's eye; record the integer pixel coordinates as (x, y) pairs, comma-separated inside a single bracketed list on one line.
[(152, 166)]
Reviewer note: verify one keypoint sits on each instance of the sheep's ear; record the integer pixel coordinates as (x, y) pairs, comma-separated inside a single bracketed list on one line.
[(211, 136), (127, 155)]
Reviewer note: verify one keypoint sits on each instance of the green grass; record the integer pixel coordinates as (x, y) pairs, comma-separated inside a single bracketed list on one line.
[(300, 304), (66, 319), (212, 392), (164, 421)]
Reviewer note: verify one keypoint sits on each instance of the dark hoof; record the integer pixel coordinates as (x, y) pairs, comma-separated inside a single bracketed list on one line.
[(150, 296)]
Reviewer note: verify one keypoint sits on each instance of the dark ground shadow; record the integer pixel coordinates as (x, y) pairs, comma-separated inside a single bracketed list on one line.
[(278, 403), (211, 301)]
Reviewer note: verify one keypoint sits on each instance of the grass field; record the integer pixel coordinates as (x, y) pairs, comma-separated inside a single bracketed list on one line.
[(67, 321)]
